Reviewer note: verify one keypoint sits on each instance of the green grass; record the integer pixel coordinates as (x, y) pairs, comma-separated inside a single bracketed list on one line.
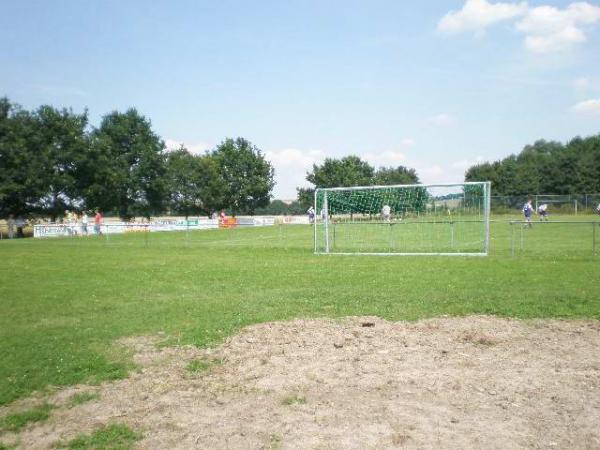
[(83, 397), (294, 399), (63, 302), (17, 421), (201, 365), (111, 437)]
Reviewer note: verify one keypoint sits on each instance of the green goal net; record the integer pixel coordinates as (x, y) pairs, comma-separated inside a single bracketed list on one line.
[(440, 219)]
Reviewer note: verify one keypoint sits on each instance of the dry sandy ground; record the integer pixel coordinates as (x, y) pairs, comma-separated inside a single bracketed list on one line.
[(356, 383)]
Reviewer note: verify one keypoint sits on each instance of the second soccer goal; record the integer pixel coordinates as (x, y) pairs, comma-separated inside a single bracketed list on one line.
[(418, 219)]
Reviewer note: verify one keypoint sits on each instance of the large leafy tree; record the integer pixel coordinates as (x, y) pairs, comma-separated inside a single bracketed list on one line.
[(395, 175), (545, 167), (21, 170), (344, 172), (194, 183), (347, 171), (124, 170), (352, 171), (247, 175), (60, 142)]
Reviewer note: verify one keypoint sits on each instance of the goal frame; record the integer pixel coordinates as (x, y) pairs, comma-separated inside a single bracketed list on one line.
[(487, 191)]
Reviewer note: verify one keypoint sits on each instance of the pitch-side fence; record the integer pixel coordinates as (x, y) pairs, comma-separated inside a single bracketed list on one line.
[(554, 238), (563, 204)]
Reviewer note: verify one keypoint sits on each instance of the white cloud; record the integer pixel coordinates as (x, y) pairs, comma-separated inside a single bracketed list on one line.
[(441, 120), (407, 142), (476, 15), (195, 149), (546, 28), (549, 29), (591, 106), (291, 165)]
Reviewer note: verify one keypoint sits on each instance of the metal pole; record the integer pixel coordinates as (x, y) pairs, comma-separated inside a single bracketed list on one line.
[(326, 219), (512, 239), (594, 238), (316, 219), (333, 243), (487, 189), (522, 238), (187, 231), (451, 234)]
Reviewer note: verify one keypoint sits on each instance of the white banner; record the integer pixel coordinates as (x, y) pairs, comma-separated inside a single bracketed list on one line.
[(58, 230)]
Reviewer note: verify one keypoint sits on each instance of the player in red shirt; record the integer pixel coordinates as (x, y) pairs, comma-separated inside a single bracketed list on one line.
[(98, 222)]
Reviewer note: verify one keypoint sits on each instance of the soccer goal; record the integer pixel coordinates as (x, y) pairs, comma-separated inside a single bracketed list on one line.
[(417, 219)]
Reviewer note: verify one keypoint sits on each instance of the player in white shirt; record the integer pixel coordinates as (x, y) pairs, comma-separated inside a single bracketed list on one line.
[(386, 212), (311, 215), (543, 212), (527, 212)]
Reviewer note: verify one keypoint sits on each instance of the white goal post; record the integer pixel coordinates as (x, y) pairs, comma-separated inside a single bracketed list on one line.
[(411, 219)]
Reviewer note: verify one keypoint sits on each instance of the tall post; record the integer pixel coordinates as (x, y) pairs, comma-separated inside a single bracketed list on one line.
[(187, 231), (522, 249), (452, 235), (512, 238), (316, 207), (333, 242), (325, 214), (487, 190), (594, 226)]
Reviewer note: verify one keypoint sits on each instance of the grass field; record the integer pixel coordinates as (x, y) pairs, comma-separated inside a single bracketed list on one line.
[(64, 301)]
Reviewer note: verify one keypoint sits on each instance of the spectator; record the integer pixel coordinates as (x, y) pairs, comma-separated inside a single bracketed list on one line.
[(84, 223), (98, 222), (11, 226)]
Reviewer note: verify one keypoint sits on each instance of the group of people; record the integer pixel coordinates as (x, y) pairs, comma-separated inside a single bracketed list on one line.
[(528, 211), (312, 214), (542, 211), (78, 223)]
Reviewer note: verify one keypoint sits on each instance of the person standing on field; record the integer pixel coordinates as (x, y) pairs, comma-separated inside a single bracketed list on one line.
[(543, 212), (386, 212), (84, 223), (598, 208), (11, 226), (311, 215), (527, 212), (98, 222)]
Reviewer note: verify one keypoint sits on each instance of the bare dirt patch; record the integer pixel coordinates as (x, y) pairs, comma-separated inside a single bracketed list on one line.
[(356, 383)]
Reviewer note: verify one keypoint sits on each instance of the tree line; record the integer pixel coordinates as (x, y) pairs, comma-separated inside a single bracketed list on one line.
[(546, 167), (52, 160), (352, 171)]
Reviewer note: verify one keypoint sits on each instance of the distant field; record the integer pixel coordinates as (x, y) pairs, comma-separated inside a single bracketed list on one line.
[(64, 301)]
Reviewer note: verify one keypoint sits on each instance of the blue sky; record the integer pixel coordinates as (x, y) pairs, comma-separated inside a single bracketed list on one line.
[(434, 85)]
